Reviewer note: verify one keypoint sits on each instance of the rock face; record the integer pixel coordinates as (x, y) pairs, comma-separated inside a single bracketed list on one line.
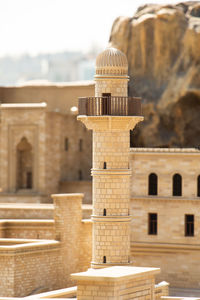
[(162, 44)]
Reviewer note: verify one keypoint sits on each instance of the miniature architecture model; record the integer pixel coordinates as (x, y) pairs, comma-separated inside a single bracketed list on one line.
[(47, 248), (111, 115)]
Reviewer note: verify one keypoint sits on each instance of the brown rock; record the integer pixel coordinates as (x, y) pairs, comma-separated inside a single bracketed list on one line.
[(162, 44)]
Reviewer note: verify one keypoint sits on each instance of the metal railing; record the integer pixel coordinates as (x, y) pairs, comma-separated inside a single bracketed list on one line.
[(109, 106)]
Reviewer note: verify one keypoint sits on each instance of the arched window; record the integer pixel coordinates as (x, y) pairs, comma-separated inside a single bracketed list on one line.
[(198, 186), (153, 184), (24, 165), (177, 185)]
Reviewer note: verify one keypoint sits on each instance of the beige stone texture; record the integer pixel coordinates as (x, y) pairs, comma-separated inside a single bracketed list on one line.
[(61, 293), (19, 275), (176, 254), (170, 250), (161, 290), (110, 165), (34, 211), (117, 87), (27, 229), (45, 127), (111, 184), (40, 263), (46, 133), (26, 211), (116, 283), (19, 122), (82, 186), (165, 163), (111, 238), (68, 230), (59, 97)]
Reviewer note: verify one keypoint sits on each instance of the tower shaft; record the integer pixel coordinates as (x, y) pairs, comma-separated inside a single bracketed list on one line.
[(111, 115)]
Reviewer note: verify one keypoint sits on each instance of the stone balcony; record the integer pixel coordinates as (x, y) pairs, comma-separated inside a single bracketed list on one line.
[(109, 106)]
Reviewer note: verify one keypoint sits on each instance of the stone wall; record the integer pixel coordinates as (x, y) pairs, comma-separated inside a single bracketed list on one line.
[(165, 163), (116, 283), (85, 250), (27, 229), (53, 162), (18, 123), (176, 254), (26, 211), (59, 97), (117, 87), (76, 160), (74, 236), (28, 268), (81, 186), (171, 219), (32, 264), (60, 145), (170, 249), (179, 264)]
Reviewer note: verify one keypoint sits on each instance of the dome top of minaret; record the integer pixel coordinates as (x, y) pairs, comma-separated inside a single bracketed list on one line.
[(111, 62)]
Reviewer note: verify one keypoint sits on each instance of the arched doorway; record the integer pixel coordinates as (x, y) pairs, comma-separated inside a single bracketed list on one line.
[(24, 165)]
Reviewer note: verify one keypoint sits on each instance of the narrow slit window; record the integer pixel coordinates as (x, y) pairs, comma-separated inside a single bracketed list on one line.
[(153, 184), (177, 185), (104, 165), (198, 186), (189, 225), (66, 144), (80, 145), (80, 175), (152, 224), (104, 259), (104, 212)]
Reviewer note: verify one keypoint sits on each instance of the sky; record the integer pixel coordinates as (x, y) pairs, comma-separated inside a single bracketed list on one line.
[(48, 26)]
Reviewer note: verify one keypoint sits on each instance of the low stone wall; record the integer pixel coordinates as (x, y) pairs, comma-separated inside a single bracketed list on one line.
[(62, 293), (161, 289), (179, 264), (32, 264), (26, 211), (35, 211), (27, 229), (85, 245), (23, 198), (35, 266)]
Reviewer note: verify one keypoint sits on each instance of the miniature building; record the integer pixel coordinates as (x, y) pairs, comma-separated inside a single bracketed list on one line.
[(42, 148), (111, 115)]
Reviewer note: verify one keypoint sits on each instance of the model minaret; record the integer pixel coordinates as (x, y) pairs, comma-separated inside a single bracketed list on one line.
[(111, 115)]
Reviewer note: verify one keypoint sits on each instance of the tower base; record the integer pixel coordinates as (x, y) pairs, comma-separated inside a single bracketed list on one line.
[(116, 283)]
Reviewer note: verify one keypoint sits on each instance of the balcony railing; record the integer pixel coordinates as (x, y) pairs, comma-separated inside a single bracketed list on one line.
[(109, 106)]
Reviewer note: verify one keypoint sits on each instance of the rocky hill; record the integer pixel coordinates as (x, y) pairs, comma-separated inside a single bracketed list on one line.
[(162, 44)]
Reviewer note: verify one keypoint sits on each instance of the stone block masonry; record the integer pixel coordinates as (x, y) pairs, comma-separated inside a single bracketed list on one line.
[(116, 283)]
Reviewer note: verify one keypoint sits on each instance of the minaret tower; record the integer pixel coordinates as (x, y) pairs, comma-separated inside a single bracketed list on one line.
[(111, 114)]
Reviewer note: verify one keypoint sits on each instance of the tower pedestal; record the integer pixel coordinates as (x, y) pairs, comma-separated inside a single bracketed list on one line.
[(116, 283)]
